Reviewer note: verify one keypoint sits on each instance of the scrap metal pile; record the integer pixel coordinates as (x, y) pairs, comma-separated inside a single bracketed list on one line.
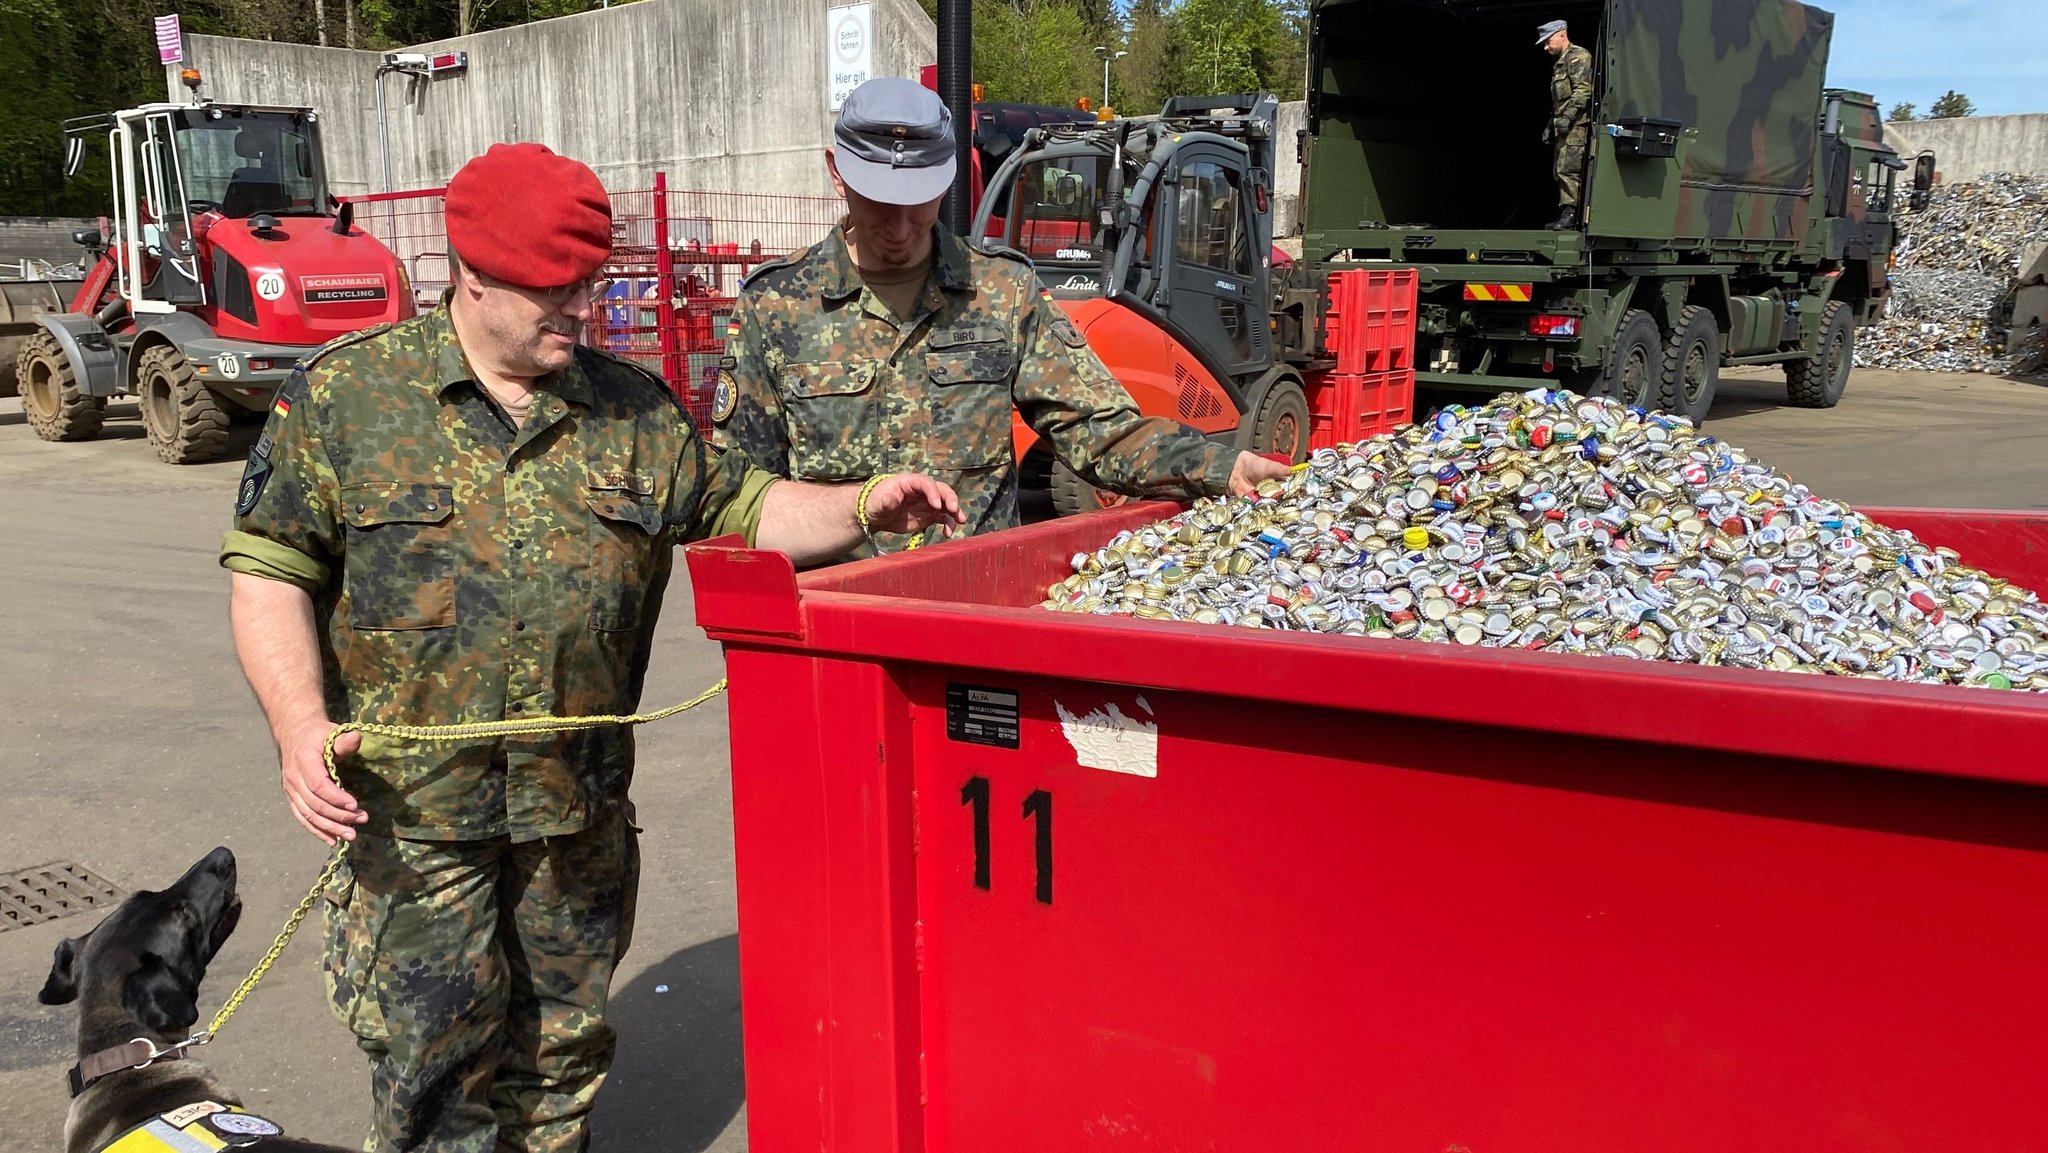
[(1547, 520), (1958, 260)]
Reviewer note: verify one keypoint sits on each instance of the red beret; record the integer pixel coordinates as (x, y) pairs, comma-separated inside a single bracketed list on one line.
[(526, 216)]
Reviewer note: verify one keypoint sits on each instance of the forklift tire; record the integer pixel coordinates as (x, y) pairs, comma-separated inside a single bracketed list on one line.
[(1635, 366), (1692, 365), (1281, 424), (1820, 382), (1072, 496), (50, 398), (187, 423)]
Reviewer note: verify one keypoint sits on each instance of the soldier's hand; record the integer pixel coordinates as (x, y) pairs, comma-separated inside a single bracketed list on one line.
[(1251, 468), (908, 502), (323, 807)]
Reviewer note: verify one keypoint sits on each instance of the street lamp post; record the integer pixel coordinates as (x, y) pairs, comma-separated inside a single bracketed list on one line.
[(1103, 51)]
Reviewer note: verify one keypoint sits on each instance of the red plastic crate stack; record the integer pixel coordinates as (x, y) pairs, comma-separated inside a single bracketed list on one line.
[(1370, 331)]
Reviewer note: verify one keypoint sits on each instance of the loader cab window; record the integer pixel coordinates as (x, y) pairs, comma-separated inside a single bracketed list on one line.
[(243, 163), (1057, 209), (1209, 229)]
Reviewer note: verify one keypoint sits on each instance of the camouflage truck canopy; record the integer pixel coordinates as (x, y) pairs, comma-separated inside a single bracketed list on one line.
[(1747, 75), (1429, 113)]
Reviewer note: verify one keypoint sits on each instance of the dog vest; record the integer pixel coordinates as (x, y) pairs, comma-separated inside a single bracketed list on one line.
[(201, 1127)]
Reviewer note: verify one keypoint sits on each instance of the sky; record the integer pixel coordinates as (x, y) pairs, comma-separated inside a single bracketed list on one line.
[(1993, 51)]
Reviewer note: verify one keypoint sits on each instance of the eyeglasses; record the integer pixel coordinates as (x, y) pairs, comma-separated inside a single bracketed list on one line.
[(592, 290)]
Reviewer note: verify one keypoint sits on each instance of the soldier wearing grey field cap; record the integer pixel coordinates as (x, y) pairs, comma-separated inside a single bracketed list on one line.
[(893, 341), (1570, 130)]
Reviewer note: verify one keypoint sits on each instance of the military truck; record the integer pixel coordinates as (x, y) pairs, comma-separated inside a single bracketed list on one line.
[(1736, 211)]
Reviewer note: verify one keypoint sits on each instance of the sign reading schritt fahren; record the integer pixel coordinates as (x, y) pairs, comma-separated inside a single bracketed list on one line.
[(849, 49)]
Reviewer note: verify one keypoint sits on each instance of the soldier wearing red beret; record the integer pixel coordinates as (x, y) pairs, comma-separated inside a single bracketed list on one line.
[(469, 516)]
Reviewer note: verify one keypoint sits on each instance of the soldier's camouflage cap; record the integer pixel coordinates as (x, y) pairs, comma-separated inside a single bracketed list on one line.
[(1548, 30), (894, 142)]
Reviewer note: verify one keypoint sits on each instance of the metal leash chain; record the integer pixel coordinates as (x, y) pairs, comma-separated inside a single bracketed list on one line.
[(437, 734)]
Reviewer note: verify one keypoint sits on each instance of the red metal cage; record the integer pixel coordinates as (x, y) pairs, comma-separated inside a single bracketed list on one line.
[(678, 258)]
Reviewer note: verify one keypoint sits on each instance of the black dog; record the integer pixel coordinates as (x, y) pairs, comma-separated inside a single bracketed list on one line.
[(136, 978)]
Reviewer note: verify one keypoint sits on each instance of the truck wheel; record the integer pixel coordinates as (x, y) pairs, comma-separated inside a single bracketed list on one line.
[(1072, 496), (187, 424), (1635, 367), (1820, 382), (49, 393), (1281, 423), (1692, 365)]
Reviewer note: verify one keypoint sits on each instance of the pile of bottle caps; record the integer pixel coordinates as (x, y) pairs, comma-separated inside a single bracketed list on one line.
[(1958, 260), (1548, 520)]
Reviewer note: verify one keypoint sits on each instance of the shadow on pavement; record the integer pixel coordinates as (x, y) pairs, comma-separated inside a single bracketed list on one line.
[(677, 1081)]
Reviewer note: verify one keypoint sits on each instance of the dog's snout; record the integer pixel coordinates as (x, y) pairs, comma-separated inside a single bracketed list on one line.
[(221, 862)]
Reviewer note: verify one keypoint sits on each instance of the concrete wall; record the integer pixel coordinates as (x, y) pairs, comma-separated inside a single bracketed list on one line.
[(727, 97), (1967, 147), (45, 238), (1293, 117)]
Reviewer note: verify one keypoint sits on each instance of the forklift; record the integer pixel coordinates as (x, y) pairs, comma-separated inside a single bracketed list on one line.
[(1155, 235)]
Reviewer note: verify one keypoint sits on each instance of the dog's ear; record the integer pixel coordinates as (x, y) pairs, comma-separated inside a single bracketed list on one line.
[(161, 995), (62, 987)]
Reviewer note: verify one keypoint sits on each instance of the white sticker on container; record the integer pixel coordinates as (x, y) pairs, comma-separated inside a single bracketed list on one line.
[(1107, 739)]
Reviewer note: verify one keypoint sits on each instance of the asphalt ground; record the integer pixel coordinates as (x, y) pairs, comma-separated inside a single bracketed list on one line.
[(130, 745)]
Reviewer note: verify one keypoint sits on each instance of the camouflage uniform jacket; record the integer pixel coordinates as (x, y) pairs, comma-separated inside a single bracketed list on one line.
[(1571, 91), (822, 382), (462, 570)]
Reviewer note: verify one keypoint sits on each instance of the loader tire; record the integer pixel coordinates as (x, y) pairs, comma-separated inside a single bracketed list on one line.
[(187, 423), (1072, 496), (1692, 365), (1820, 382), (1281, 425), (56, 409)]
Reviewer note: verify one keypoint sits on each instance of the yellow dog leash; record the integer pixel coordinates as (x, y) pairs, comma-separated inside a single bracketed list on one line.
[(432, 734)]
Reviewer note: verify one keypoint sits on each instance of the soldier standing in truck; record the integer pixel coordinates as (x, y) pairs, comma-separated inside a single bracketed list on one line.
[(1571, 116)]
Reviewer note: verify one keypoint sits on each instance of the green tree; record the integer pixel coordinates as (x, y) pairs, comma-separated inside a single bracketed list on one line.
[(1903, 110), (1034, 51), (1157, 50), (1953, 103)]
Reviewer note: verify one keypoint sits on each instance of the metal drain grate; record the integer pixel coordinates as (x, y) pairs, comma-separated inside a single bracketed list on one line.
[(47, 892)]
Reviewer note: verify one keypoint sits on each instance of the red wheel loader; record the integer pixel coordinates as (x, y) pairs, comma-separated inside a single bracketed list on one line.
[(225, 261)]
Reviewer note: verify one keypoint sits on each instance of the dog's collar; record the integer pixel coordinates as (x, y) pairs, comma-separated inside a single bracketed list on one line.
[(140, 1053)]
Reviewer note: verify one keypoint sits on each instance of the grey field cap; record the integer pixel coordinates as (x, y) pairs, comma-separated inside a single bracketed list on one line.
[(894, 142), (1544, 33)]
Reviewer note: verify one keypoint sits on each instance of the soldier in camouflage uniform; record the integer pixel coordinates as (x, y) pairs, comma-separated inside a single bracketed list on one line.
[(468, 517), (894, 344), (1571, 117)]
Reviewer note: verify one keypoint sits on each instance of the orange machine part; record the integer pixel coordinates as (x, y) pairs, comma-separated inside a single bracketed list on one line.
[(1159, 372)]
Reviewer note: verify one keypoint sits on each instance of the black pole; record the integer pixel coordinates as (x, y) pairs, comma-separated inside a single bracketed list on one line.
[(956, 80)]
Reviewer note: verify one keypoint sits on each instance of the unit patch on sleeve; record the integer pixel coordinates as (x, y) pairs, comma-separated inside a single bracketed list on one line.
[(726, 398), (255, 475)]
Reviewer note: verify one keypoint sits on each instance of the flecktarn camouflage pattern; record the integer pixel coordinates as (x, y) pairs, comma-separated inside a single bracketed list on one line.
[(483, 1018), (465, 570), (1571, 111), (823, 382)]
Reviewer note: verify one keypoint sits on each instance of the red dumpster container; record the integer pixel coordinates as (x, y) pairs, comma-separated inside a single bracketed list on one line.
[(1015, 880)]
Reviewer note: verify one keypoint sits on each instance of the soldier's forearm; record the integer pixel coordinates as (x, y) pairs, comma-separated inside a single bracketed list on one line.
[(810, 522), (279, 650)]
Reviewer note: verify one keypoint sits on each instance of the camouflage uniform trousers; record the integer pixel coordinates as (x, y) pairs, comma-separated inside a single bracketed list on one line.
[(1569, 163), (475, 975)]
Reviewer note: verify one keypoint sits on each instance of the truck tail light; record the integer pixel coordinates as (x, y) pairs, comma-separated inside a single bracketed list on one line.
[(1553, 324)]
